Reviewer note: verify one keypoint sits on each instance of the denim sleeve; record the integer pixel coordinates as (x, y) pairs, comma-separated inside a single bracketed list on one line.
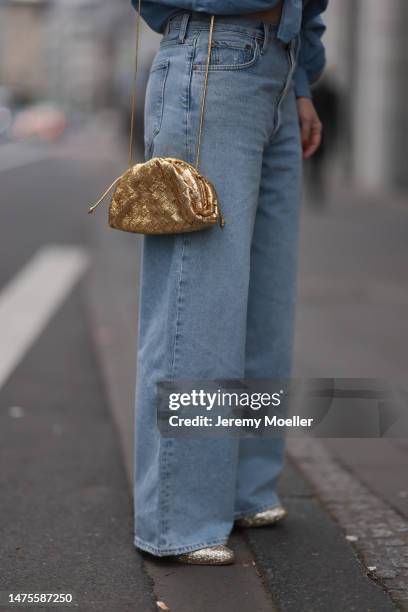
[(312, 57), (217, 7)]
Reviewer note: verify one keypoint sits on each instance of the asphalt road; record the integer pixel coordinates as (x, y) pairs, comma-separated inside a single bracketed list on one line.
[(66, 519)]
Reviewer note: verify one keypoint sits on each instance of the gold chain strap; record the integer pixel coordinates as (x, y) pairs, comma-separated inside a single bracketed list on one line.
[(203, 98), (133, 108), (133, 105)]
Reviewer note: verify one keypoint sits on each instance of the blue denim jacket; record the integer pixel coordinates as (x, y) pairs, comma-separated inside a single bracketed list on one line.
[(298, 16)]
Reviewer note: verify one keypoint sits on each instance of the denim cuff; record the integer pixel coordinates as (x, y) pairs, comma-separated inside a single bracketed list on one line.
[(302, 86)]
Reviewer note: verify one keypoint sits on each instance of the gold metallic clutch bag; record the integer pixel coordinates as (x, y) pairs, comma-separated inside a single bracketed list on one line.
[(164, 195)]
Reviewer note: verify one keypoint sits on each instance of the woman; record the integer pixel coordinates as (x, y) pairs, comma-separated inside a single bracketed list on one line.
[(220, 303)]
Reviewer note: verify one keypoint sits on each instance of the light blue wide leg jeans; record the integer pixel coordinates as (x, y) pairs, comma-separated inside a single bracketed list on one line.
[(219, 303)]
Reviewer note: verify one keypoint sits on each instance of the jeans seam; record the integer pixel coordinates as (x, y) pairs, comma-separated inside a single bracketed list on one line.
[(290, 54), (163, 65), (188, 118), (231, 67), (173, 42), (166, 445), (217, 28), (164, 458), (173, 368)]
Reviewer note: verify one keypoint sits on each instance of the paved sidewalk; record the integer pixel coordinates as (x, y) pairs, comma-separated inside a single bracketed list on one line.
[(352, 322)]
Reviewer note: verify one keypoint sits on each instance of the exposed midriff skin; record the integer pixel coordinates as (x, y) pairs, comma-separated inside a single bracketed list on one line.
[(272, 15)]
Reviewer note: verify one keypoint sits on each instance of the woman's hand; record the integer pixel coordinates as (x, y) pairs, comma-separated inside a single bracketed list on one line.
[(310, 126)]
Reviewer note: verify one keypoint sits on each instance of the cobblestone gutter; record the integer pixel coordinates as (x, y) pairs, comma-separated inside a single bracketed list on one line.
[(378, 533)]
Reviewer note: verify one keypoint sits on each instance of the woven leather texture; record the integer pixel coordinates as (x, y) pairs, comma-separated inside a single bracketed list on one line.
[(164, 195)]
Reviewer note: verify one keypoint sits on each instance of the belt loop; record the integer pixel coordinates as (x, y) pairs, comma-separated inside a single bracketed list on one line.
[(183, 27), (297, 47), (167, 27), (266, 37), (293, 46)]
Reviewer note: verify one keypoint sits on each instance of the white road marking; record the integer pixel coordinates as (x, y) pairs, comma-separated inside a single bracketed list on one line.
[(31, 298)]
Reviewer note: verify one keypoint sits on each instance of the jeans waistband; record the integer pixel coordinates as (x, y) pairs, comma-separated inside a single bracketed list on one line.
[(185, 21)]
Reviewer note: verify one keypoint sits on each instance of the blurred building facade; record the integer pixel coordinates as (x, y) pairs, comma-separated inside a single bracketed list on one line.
[(367, 52), (63, 50), (23, 47), (80, 53)]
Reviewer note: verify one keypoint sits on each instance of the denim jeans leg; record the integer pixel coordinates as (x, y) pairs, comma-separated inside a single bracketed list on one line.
[(193, 302), (271, 303), (195, 287)]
